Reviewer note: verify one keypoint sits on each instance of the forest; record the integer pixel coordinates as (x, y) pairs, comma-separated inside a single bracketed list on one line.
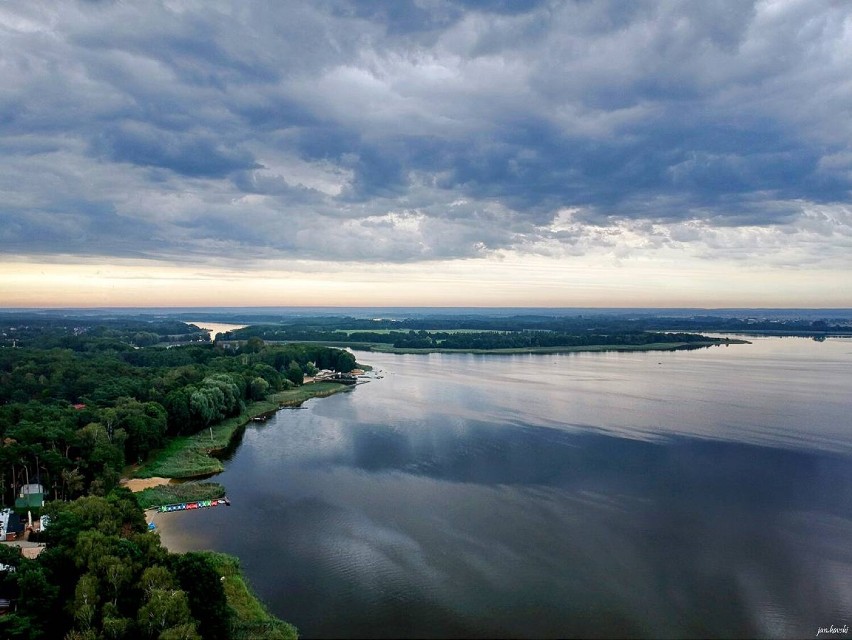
[(102, 575), (80, 402)]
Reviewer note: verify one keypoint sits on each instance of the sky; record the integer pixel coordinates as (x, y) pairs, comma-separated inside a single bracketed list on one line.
[(429, 152)]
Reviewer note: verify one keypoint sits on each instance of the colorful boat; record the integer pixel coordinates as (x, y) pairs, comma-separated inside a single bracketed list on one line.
[(198, 504)]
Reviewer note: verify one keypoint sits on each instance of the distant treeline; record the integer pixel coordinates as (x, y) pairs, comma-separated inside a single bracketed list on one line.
[(328, 328), (49, 330), (534, 339), (468, 340), (482, 332), (752, 325)]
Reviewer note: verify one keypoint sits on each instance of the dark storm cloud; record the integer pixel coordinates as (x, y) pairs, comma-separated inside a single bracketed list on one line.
[(97, 232), (184, 153), (415, 130)]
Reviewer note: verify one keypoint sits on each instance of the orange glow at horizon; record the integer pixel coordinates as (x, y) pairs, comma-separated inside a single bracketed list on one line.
[(523, 282)]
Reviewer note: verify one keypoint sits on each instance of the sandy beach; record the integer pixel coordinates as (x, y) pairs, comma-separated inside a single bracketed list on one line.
[(169, 529), (138, 484), (168, 535), (167, 523)]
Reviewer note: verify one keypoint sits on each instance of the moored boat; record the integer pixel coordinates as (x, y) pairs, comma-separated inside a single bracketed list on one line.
[(198, 504)]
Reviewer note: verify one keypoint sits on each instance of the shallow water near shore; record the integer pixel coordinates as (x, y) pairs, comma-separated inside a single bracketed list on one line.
[(659, 494)]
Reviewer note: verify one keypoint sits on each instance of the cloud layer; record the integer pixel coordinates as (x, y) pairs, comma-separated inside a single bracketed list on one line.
[(430, 130)]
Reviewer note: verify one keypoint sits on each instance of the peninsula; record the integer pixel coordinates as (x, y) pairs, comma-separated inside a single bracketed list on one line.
[(80, 398), (481, 335)]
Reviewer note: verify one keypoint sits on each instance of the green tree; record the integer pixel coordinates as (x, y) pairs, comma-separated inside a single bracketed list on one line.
[(295, 374), (184, 631), (163, 609), (101, 458), (113, 624), (203, 407), (259, 388), (252, 345), (231, 392), (205, 593), (177, 405), (73, 483), (86, 600), (145, 424), (268, 373), (38, 598), (156, 577)]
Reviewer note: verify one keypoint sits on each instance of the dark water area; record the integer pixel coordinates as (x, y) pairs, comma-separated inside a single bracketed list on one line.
[(682, 494)]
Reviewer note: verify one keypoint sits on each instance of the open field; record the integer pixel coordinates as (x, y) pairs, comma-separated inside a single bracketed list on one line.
[(194, 456)]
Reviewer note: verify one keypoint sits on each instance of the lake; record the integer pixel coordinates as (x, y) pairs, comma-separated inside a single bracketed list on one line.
[(215, 328), (659, 494)]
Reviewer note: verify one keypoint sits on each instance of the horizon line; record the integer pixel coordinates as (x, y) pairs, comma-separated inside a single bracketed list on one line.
[(445, 307)]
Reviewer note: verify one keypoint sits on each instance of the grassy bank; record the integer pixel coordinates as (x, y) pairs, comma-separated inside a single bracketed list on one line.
[(174, 493), (250, 617), (295, 397), (194, 456)]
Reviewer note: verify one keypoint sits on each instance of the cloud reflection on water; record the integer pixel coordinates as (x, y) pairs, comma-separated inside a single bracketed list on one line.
[(373, 515)]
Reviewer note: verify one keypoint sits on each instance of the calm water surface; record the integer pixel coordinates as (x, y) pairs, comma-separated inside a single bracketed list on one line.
[(215, 328), (685, 494)]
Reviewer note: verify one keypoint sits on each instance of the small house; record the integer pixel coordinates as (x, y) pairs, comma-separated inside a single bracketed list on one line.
[(31, 495), (11, 525)]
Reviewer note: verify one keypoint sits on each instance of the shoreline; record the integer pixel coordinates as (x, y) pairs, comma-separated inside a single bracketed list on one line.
[(226, 435), (228, 431), (196, 456), (168, 530), (252, 618), (591, 348)]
